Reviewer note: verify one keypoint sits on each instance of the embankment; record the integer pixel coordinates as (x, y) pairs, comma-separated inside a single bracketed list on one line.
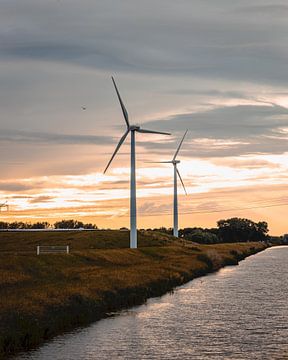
[(42, 296)]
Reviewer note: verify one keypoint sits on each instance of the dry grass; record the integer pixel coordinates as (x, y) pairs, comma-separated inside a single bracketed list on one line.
[(19, 242), (92, 279)]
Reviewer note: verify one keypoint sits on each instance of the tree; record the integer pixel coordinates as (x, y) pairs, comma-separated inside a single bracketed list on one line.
[(202, 236), (40, 225), (241, 230), (4, 225), (73, 224), (18, 225), (262, 230), (68, 224), (90, 226)]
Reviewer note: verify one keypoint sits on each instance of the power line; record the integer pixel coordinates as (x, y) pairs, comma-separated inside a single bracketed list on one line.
[(212, 211), (235, 209)]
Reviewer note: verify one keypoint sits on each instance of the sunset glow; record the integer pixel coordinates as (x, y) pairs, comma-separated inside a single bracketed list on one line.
[(61, 120)]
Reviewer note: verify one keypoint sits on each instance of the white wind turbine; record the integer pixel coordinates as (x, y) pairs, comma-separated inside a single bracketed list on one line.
[(176, 172), (132, 129)]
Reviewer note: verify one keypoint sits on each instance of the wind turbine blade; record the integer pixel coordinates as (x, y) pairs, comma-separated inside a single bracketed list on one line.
[(181, 180), (177, 151), (125, 113), (117, 148), (144, 131)]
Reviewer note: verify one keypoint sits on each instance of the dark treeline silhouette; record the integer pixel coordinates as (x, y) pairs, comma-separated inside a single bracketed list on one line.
[(227, 231), (200, 235), (73, 224), (236, 229), (23, 225), (63, 224)]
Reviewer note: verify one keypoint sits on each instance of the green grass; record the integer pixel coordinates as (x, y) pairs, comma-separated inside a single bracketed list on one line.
[(42, 296)]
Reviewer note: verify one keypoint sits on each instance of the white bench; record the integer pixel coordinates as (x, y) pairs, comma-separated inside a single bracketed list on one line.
[(45, 249)]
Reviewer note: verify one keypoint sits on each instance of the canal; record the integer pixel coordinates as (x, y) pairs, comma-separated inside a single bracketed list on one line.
[(240, 312)]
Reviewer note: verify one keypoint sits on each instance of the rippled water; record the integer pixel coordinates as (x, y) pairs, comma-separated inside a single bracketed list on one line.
[(241, 312)]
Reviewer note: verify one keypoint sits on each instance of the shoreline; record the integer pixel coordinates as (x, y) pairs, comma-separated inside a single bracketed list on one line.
[(173, 265)]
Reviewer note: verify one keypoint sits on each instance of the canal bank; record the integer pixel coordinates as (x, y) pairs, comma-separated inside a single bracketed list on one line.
[(54, 294), (236, 313)]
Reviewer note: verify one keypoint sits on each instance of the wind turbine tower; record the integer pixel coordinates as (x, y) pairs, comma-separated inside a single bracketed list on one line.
[(174, 162), (131, 129), (175, 202)]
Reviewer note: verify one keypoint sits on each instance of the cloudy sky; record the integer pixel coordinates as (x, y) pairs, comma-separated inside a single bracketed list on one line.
[(215, 67)]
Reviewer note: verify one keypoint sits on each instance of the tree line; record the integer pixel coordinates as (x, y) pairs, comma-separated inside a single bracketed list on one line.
[(227, 231), (63, 224)]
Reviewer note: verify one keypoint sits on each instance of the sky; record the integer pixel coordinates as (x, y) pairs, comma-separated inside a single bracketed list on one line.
[(215, 67)]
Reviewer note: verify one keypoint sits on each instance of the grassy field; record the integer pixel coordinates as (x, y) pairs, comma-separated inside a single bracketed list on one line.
[(42, 296), (78, 240)]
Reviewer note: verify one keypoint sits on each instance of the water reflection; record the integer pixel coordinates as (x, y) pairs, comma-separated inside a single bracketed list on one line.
[(238, 313)]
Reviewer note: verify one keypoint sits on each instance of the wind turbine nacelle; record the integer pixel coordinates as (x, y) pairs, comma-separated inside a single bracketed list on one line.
[(174, 162), (134, 127)]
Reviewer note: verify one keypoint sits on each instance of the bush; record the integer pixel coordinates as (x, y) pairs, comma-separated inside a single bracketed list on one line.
[(201, 236)]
